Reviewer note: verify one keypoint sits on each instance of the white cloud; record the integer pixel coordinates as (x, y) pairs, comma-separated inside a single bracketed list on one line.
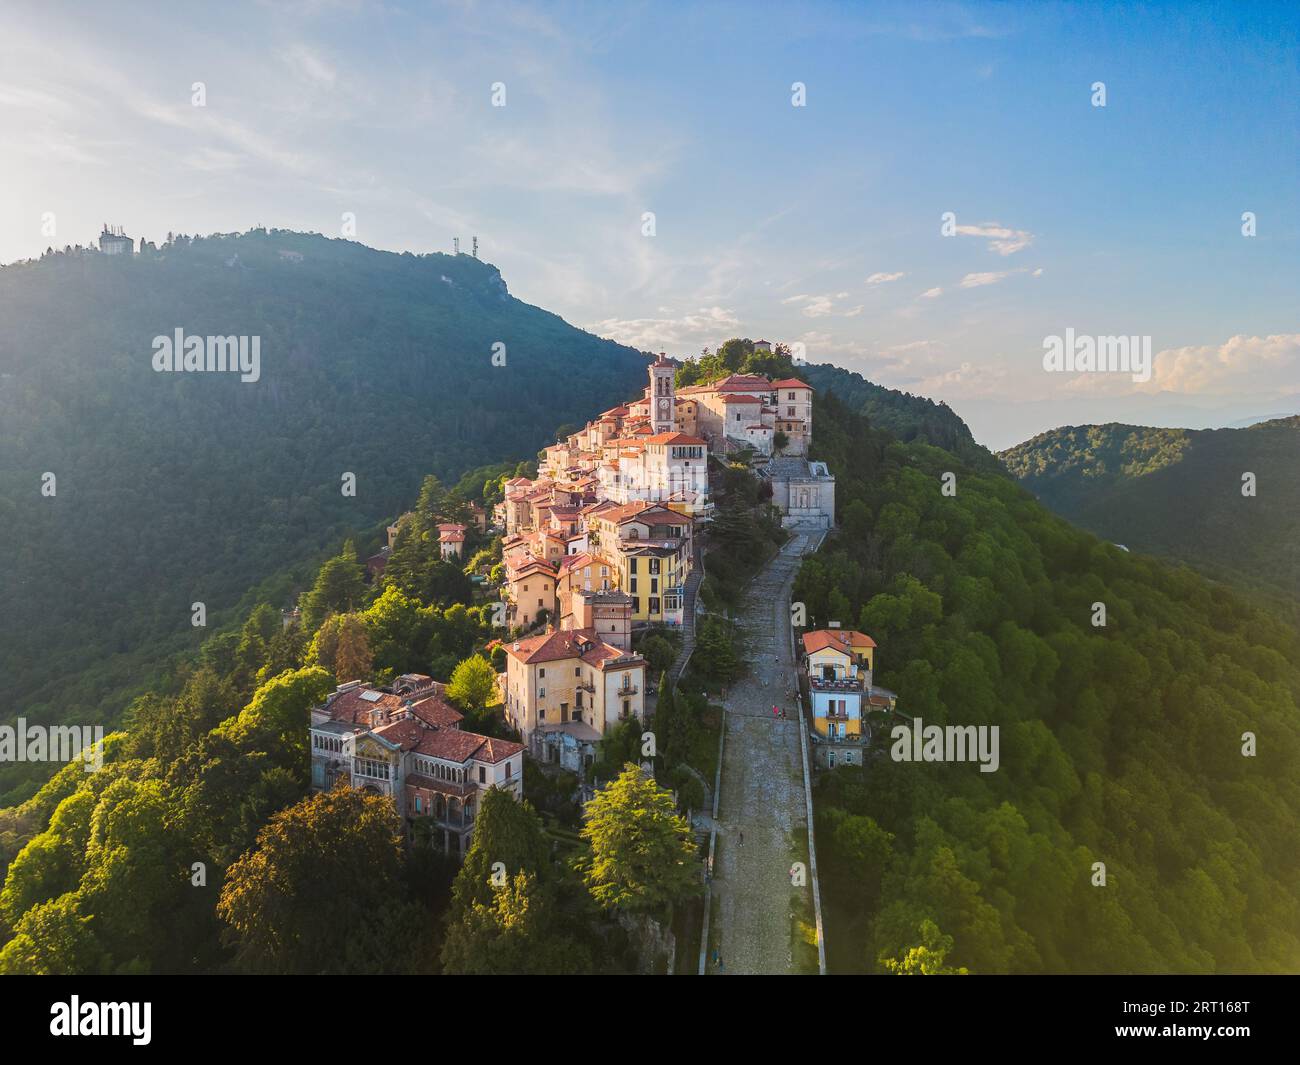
[(990, 278), (932, 293), (884, 279), (1240, 364), (1266, 367), (691, 331), (1002, 239), (309, 65), (821, 306)]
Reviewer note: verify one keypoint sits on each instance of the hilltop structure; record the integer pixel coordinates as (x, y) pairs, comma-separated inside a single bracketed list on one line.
[(113, 241)]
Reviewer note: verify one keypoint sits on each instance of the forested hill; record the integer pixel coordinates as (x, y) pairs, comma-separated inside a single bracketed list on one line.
[(906, 416), (173, 488), (1122, 744), (1178, 493)]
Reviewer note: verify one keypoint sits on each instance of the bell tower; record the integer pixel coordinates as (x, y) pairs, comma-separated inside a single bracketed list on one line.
[(662, 395)]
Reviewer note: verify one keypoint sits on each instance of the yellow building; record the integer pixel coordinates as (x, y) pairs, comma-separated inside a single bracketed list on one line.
[(653, 574)]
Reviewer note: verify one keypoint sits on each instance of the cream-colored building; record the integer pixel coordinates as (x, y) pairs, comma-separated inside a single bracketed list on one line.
[(566, 688)]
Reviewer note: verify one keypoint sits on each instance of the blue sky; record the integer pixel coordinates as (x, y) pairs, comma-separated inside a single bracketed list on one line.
[(816, 224)]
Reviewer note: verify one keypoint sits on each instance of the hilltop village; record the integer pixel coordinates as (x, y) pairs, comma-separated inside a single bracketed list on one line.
[(604, 542)]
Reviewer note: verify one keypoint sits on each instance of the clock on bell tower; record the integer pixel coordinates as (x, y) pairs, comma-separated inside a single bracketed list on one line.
[(662, 395)]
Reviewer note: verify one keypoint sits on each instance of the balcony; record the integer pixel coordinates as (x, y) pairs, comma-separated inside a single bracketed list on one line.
[(586, 686), (627, 689)]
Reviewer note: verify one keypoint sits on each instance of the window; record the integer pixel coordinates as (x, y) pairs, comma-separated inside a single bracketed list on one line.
[(577, 671), (541, 672), (789, 395), (509, 771), (482, 774), (418, 807), (789, 411), (654, 604), (541, 693)]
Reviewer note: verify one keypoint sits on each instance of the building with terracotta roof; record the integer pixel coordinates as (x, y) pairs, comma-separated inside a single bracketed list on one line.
[(451, 540), (835, 677), (748, 410), (405, 741), (566, 688), (529, 590)]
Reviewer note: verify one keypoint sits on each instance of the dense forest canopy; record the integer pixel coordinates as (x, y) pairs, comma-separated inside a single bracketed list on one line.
[(1179, 493), (1120, 743)]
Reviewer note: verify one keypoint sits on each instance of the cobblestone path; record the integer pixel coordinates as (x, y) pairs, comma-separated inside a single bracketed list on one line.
[(762, 786)]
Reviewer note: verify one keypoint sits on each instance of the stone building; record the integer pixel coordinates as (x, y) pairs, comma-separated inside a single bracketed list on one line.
[(803, 491)]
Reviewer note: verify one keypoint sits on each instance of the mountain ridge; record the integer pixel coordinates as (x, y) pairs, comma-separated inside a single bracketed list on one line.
[(1178, 493)]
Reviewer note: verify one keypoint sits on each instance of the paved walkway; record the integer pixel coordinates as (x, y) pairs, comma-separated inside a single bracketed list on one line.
[(762, 786)]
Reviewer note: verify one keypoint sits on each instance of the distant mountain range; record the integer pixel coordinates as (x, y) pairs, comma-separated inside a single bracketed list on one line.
[(1178, 493)]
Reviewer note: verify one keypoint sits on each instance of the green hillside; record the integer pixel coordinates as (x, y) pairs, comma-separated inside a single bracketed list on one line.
[(1178, 493), (904, 415), (175, 488), (1120, 744)]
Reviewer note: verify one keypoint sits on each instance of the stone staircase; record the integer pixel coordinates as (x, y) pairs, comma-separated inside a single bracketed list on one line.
[(689, 590)]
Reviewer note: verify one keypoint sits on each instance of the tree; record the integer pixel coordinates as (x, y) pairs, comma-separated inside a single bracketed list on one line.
[(342, 645), (927, 957), (53, 939), (473, 684), (339, 587), (515, 933), (323, 871), (508, 832), (642, 857), (658, 652), (275, 720), (715, 657)]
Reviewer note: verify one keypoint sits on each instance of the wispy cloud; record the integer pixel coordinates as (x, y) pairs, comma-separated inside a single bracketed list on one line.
[(821, 306), (708, 325), (884, 279), (1002, 239)]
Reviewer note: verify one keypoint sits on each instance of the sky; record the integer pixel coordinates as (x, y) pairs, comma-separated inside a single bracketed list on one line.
[(820, 224)]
